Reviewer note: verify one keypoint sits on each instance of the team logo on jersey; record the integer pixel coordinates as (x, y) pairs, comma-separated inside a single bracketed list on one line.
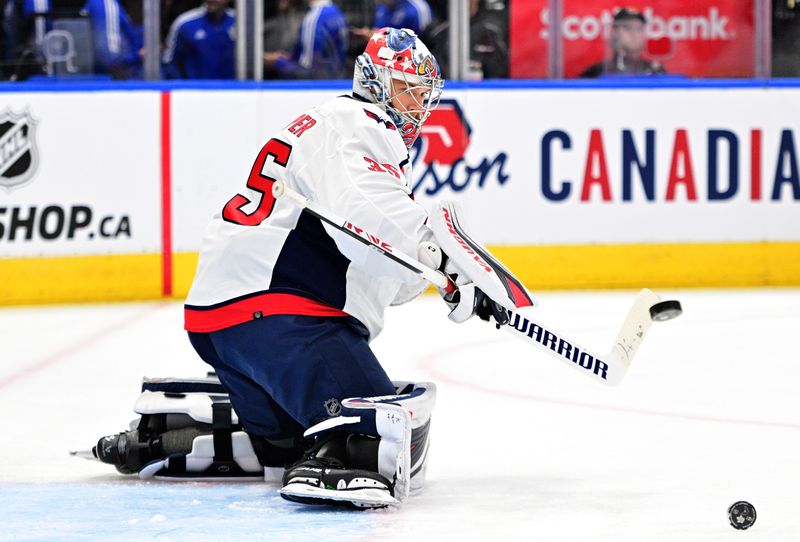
[(19, 157), (441, 153), (333, 407)]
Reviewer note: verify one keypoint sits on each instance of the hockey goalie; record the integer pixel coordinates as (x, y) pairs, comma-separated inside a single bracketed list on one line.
[(283, 307)]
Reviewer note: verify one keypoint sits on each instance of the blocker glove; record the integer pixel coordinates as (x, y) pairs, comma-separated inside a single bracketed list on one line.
[(462, 296)]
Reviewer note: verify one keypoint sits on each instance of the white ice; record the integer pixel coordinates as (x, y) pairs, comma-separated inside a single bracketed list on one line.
[(523, 448)]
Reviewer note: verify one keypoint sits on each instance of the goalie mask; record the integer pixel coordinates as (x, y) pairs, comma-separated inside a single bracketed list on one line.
[(399, 74)]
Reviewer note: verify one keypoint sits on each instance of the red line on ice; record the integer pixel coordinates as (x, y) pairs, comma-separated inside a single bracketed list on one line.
[(55, 357)]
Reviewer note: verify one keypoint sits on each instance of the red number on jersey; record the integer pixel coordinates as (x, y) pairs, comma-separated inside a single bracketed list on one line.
[(261, 183), (382, 168), (391, 169), (373, 165)]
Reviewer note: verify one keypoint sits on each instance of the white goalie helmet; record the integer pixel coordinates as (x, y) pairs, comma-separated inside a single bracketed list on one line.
[(399, 74)]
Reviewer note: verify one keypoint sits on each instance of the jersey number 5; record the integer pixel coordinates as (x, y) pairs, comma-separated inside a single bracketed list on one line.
[(261, 183)]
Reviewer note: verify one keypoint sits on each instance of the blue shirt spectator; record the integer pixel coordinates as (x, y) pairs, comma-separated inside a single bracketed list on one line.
[(321, 49), (117, 41), (412, 14), (201, 44)]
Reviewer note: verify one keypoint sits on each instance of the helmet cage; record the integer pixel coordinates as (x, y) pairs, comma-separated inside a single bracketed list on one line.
[(420, 109)]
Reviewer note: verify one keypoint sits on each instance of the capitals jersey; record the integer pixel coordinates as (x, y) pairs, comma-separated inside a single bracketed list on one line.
[(261, 256)]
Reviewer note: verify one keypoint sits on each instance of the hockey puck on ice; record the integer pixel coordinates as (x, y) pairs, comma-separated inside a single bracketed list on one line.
[(742, 515), (665, 310)]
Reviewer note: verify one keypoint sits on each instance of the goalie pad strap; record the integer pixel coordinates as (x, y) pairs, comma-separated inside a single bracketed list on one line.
[(208, 385), (177, 465), (203, 462), (221, 427), (224, 453)]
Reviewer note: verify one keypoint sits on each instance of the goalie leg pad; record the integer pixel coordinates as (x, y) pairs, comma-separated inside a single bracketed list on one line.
[(188, 430), (376, 451)]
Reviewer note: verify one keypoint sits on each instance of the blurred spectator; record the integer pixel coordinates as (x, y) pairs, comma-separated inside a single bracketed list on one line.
[(21, 27), (488, 29), (627, 43), (3, 39), (171, 10), (785, 38), (441, 8), (358, 13), (22, 32), (117, 41), (412, 14), (282, 26), (201, 43), (320, 51)]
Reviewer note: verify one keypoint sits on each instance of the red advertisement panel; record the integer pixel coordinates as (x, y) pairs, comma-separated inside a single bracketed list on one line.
[(702, 38)]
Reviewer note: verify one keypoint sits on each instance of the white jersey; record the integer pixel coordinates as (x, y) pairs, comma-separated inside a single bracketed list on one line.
[(262, 256)]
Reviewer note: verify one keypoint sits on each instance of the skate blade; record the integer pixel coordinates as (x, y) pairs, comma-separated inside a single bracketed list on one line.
[(84, 454), (357, 498)]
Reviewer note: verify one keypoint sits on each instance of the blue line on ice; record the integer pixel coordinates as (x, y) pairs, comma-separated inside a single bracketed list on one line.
[(170, 511)]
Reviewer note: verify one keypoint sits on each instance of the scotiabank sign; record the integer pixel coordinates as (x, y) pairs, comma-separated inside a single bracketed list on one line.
[(702, 38)]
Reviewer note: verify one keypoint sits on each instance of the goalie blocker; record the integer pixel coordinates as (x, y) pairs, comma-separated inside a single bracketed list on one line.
[(370, 456), (479, 283)]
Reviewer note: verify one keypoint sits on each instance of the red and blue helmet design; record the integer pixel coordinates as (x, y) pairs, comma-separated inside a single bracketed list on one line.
[(397, 63)]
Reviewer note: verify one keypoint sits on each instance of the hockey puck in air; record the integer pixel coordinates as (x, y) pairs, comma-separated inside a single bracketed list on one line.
[(665, 310), (742, 515)]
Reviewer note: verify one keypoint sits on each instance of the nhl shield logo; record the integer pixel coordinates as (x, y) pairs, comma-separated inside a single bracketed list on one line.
[(19, 157)]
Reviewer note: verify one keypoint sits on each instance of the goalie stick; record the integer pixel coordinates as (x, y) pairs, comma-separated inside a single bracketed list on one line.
[(607, 369)]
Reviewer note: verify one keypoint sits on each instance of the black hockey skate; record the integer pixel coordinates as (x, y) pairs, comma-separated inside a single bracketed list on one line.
[(340, 470), (125, 451), (131, 450)]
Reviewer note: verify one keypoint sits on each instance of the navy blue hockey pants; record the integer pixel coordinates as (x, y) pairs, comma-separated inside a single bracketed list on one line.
[(282, 371)]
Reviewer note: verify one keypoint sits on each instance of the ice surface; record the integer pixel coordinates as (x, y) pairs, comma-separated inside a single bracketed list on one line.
[(523, 448)]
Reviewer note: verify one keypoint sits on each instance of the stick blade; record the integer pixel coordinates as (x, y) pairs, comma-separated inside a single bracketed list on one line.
[(635, 327)]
